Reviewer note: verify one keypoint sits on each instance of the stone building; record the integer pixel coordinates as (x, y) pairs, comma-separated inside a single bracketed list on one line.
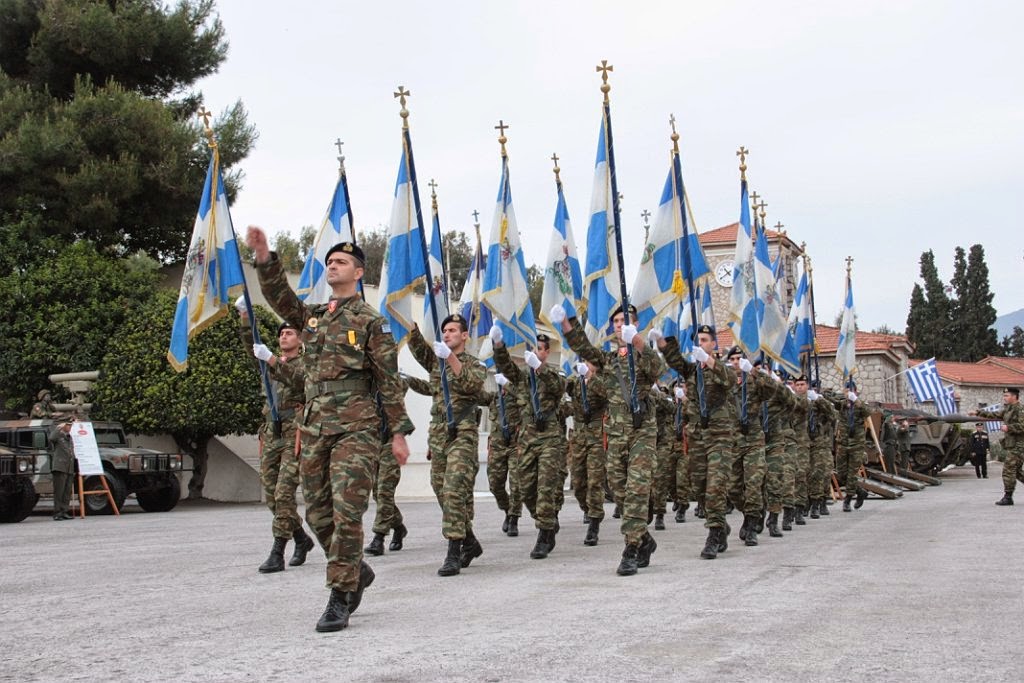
[(976, 385)]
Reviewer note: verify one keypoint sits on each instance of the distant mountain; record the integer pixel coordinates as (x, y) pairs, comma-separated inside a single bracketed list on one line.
[(1005, 323)]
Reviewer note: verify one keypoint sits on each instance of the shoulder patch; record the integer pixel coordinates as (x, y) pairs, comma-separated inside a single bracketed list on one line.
[(385, 328)]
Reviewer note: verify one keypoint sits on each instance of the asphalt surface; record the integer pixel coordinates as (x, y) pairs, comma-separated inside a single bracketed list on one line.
[(927, 587)]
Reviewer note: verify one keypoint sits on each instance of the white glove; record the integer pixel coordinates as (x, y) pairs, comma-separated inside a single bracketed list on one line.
[(441, 350), (680, 394), (654, 336), (557, 314), (813, 395), (496, 335), (582, 369), (745, 365), (776, 378), (852, 396), (791, 390), (240, 304), (700, 355), (628, 332), (531, 359), (262, 352), (500, 379)]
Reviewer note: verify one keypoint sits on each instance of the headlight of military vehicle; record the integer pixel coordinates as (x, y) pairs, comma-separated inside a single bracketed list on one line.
[(22, 465), (174, 462)]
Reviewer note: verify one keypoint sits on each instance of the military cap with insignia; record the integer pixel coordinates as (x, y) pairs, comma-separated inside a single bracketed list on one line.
[(706, 329), (1012, 390), (735, 351), (541, 337), (632, 312), (347, 248), (800, 378), (286, 326), (458, 320)]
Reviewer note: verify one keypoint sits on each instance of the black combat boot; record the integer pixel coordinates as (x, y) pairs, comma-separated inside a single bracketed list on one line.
[(752, 523), (303, 544), (681, 514), (773, 525), (744, 527), (586, 518), (376, 546), (823, 508), (471, 549), (398, 535), (798, 516), (723, 538), (815, 504), (592, 531), (504, 524), (699, 512), (710, 551), (453, 560), (862, 495), (545, 542), (627, 567), (275, 561), (846, 503), (659, 521), (513, 525), (787, 519), (335, 616), (1007, 499), (617, 513), (366, 577), (647, 547)]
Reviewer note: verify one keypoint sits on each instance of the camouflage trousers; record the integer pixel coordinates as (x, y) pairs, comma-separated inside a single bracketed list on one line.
[(563, 471), (388, 474), (541, 475), (453, 468), (819, 480), (337, 481), (664, 466), (720, 449), (502, 466), (679, 487), (746, 483), (849, 458), (630, 463), (789, 470), (279, 474), (1012, 468), (774, 480), (801, 472), (587, 468), (697, 465)]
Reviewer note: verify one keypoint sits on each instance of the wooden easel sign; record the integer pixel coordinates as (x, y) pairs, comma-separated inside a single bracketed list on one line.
[(87, 453)]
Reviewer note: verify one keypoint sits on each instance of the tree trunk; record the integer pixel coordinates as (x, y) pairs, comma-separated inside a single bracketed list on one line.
[(196, 448)]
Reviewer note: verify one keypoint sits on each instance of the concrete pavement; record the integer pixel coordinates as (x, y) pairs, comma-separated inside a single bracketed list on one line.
[(927, 587)]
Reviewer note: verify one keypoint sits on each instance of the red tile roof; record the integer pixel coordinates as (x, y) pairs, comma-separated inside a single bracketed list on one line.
[(985, 374), (727, 235), (828, 340), (1015, 364)]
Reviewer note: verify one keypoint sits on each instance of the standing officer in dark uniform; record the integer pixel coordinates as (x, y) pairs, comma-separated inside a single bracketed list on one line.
[(62, 467), (979, 450)]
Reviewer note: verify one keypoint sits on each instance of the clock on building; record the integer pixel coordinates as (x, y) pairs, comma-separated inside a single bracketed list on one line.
[(723, 273)]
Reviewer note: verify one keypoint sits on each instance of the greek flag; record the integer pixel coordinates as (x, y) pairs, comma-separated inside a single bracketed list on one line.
[(472, 307), (505, 289), (993, 425), (744, 306), (601, 270), (800, 317), (336, 227), (846, 353), (403, 257), (438, 278), (773, 329), (945, 402), (924, 381), (213, 270), (563, 280)]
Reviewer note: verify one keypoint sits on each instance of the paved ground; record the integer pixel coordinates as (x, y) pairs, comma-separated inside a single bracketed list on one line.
[(927, 587)]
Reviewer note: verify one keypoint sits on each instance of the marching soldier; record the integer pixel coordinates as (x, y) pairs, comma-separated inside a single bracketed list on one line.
[(503, 453), (665, 461), (680, 454), (850, 445), (748, 470), (822, 429), (588, 470), (777, 427), (1013, 443), (802, 453)]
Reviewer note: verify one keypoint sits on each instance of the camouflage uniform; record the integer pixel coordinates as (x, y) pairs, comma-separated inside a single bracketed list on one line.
[(903, 438), (665, 453), (777, 428), (801, 453), (681, 453), (1012, 415), (850, 442), (541, 445), (503, 451), (348, 351), (746, 484), (631, 450), (822, 435), (454, 459), (588, 467), (62, 468), (43, 408)]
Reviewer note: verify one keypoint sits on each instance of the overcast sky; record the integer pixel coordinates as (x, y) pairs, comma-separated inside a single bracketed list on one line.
[(876, 129)]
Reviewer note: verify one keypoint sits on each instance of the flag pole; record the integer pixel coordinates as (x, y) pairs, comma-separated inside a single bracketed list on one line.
[(402, 94), (809, 268), (634, 403)]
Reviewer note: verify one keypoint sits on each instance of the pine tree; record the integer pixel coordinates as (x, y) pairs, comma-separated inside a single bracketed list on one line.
[(929, 320), (1013, 344), (973, 335)]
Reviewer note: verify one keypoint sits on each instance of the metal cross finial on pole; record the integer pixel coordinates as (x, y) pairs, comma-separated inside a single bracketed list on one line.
[(761, 210), (645, 214), (433, 193), (501, 135), (401, 94), (603, 68), (476, 218), (675, 136), (341, 157), (205, 115), (742, 154), (849, 264), (556, 169)]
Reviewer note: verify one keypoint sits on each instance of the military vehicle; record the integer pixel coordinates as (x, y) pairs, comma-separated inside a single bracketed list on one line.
[(150, 475), (17, 493), (937, 442)]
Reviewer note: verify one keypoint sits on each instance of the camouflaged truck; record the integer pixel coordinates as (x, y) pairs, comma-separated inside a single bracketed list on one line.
[(17, 492), (150, 475), (936, 442)]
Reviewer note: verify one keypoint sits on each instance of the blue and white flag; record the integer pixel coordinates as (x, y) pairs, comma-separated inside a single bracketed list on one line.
[(601, 285), (846, 353), (924, 381), (993, 425), (945, 402), (336, 227), (213, 270), (438, 279), (773, 330), (403, 268), (473, 308), (563, 280), (800, 317), (744, 305), (505, 287)]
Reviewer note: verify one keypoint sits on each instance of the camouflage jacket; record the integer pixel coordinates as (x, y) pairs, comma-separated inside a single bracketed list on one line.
[(800, 419), (903, 438), (417, 385), (781, 401), (502, 400), (759, 391), (824, 420), (719, 387), (550, 387), (597, 400), (1012, 415), (286, 381), (850, 416), (613, 373), (349, 355), (464, 388)]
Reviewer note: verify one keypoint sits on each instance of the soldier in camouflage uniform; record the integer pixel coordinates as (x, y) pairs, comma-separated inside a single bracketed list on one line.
[(777, 428), (746, 484), (279, 461), (503, 452), (665, 458), (539, 391), (1012, 416), (852, 412), (589, 400), (821, 428), (454, 460), (680, 486), (800, 418), (632, 438), (348, 353), (386, 477), (44, 407)]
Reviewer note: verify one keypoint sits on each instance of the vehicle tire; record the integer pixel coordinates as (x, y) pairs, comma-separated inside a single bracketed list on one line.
[(97, 504), (161, 499), (16, 504), (924, 459)]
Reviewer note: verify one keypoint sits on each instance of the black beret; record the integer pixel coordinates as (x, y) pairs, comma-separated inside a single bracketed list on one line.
[(705, 329), (632, 312), (801, 378), (347, 247), (1012, 390), (735, 351), (544, 338), (285, 326), (458, 320)]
